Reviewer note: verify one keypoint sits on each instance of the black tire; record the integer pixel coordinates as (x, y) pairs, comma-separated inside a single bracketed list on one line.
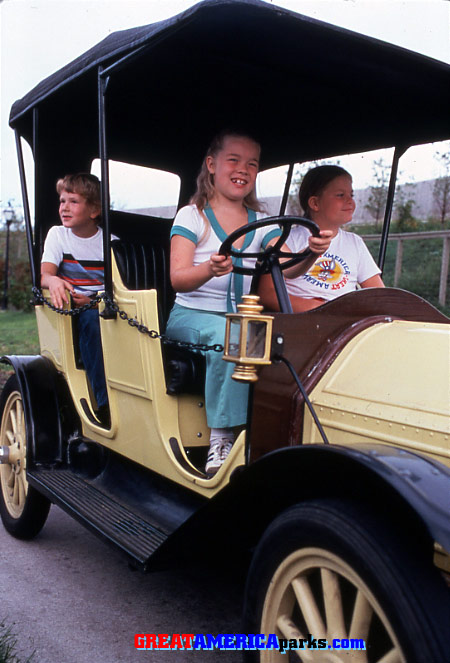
[(23, 509), (337, 549)]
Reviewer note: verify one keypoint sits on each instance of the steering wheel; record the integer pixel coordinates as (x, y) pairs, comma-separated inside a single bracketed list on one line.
[(270, 256)]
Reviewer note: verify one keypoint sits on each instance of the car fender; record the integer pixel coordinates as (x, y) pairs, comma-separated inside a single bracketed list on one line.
[(48, 408), (405, 488)]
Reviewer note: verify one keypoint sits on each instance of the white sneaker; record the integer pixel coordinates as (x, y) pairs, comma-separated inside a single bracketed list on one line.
[(217, 454)]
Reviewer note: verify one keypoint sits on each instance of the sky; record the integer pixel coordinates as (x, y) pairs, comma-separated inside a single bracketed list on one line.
[(38, 37)]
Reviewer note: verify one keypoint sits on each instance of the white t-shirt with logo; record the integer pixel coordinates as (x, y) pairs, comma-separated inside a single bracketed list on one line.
[(337, 271)]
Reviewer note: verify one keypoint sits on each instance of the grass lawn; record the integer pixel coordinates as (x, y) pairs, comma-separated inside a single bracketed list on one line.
[(18, 334)]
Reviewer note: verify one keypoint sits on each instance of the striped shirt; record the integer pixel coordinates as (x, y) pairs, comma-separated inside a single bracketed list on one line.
[(79, 259)]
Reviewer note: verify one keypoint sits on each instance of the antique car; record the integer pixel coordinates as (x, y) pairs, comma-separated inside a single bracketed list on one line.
[(338, 485)]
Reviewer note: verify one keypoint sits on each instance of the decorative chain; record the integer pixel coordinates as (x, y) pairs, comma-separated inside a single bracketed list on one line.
[(39, 297), (203, 347)]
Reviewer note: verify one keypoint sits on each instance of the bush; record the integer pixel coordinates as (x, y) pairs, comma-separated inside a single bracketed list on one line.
[(19, 275), (405, 221), (19, 284)]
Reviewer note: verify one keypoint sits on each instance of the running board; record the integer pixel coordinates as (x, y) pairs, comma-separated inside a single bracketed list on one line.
[(99, 512)]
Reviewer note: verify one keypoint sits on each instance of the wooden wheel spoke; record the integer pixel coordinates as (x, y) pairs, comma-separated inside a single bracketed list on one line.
[(19, 412), (333, 604), (290, 631), (361, 618), (358, 656), (13, 419), (15, 496), (287, 627), (392, 656), (303, 655), (308, 605), (21, 489), (10, 477), (21, 431)]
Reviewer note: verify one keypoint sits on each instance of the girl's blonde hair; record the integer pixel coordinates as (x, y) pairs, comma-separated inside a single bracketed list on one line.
[(205, 180)]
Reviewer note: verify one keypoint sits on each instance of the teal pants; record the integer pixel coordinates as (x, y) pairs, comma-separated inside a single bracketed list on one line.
[(226, 400)]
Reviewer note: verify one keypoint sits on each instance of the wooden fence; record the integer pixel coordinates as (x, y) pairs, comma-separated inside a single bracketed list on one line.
[(429, 234)]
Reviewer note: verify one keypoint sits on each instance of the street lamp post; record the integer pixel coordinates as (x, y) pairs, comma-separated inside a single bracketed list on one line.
[(8, 213)]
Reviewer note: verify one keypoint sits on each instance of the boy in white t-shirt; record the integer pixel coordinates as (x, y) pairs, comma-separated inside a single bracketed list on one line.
[(72, 262), (326, 196)]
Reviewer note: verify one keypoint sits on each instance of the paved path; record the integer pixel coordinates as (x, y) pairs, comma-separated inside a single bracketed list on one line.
[(73, 599)]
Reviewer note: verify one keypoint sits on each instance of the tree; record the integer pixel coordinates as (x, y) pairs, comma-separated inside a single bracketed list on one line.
[(378, 193), (441, 190), (404, 204), (17, 289)]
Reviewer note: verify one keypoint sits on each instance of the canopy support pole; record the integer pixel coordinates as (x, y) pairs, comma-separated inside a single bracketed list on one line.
[(398, 152), (287, 186), (108, 312), (26, 209)]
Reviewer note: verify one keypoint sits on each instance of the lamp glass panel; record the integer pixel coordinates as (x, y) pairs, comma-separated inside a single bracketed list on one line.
[(235, 335), (256, 339)]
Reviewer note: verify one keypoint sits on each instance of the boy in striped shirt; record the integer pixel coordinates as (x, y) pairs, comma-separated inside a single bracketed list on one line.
[(72, 263)]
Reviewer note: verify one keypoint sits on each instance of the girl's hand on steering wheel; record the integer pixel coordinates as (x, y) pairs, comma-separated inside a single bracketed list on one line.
[(220, 265)]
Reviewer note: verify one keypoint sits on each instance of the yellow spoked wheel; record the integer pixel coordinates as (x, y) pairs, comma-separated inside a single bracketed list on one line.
[(23, 510), (13, 474), (335, 584), (310, 583)]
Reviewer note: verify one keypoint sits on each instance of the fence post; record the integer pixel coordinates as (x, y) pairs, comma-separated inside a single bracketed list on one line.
[(444, 271), (398, 262)]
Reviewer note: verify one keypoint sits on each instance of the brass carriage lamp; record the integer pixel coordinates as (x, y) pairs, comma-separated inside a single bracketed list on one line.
[(248, 337)]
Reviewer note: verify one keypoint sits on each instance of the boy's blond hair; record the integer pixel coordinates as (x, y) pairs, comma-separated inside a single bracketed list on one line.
[(84, 184)]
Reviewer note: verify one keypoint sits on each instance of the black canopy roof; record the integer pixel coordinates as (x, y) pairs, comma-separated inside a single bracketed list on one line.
[(305, 88)]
